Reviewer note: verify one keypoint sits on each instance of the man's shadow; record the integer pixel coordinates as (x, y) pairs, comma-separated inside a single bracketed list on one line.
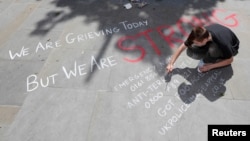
[(210, 84)]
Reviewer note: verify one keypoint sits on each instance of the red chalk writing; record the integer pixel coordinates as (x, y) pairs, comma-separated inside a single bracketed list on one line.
[(169, 33), (144, 34), (225, 18)]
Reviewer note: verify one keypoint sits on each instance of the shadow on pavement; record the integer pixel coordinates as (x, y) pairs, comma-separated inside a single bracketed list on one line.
[(109, 12), (210, 84)]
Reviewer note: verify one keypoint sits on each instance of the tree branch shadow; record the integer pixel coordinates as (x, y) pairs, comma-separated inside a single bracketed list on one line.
[(108, 12)]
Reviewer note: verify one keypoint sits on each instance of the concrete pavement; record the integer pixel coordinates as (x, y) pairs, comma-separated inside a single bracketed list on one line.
[(93, 70)]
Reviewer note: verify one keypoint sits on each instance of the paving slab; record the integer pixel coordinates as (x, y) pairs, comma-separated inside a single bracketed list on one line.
[(7, 116), (50, 114), (14, 79)]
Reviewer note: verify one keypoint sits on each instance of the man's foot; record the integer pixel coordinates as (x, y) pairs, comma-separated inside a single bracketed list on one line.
[(201, 63)]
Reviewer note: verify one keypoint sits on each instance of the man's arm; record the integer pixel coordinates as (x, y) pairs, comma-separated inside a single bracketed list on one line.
[(170, 66), (219, 64)]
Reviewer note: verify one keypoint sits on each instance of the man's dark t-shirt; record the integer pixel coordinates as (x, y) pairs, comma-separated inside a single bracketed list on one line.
[(226, 40)]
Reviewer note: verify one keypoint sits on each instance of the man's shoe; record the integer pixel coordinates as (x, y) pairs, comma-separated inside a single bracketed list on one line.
[(201, 63)]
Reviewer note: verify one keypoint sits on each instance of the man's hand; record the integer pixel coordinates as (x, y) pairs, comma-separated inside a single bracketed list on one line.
[(169, 68), (206, 67), (218, 64)]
